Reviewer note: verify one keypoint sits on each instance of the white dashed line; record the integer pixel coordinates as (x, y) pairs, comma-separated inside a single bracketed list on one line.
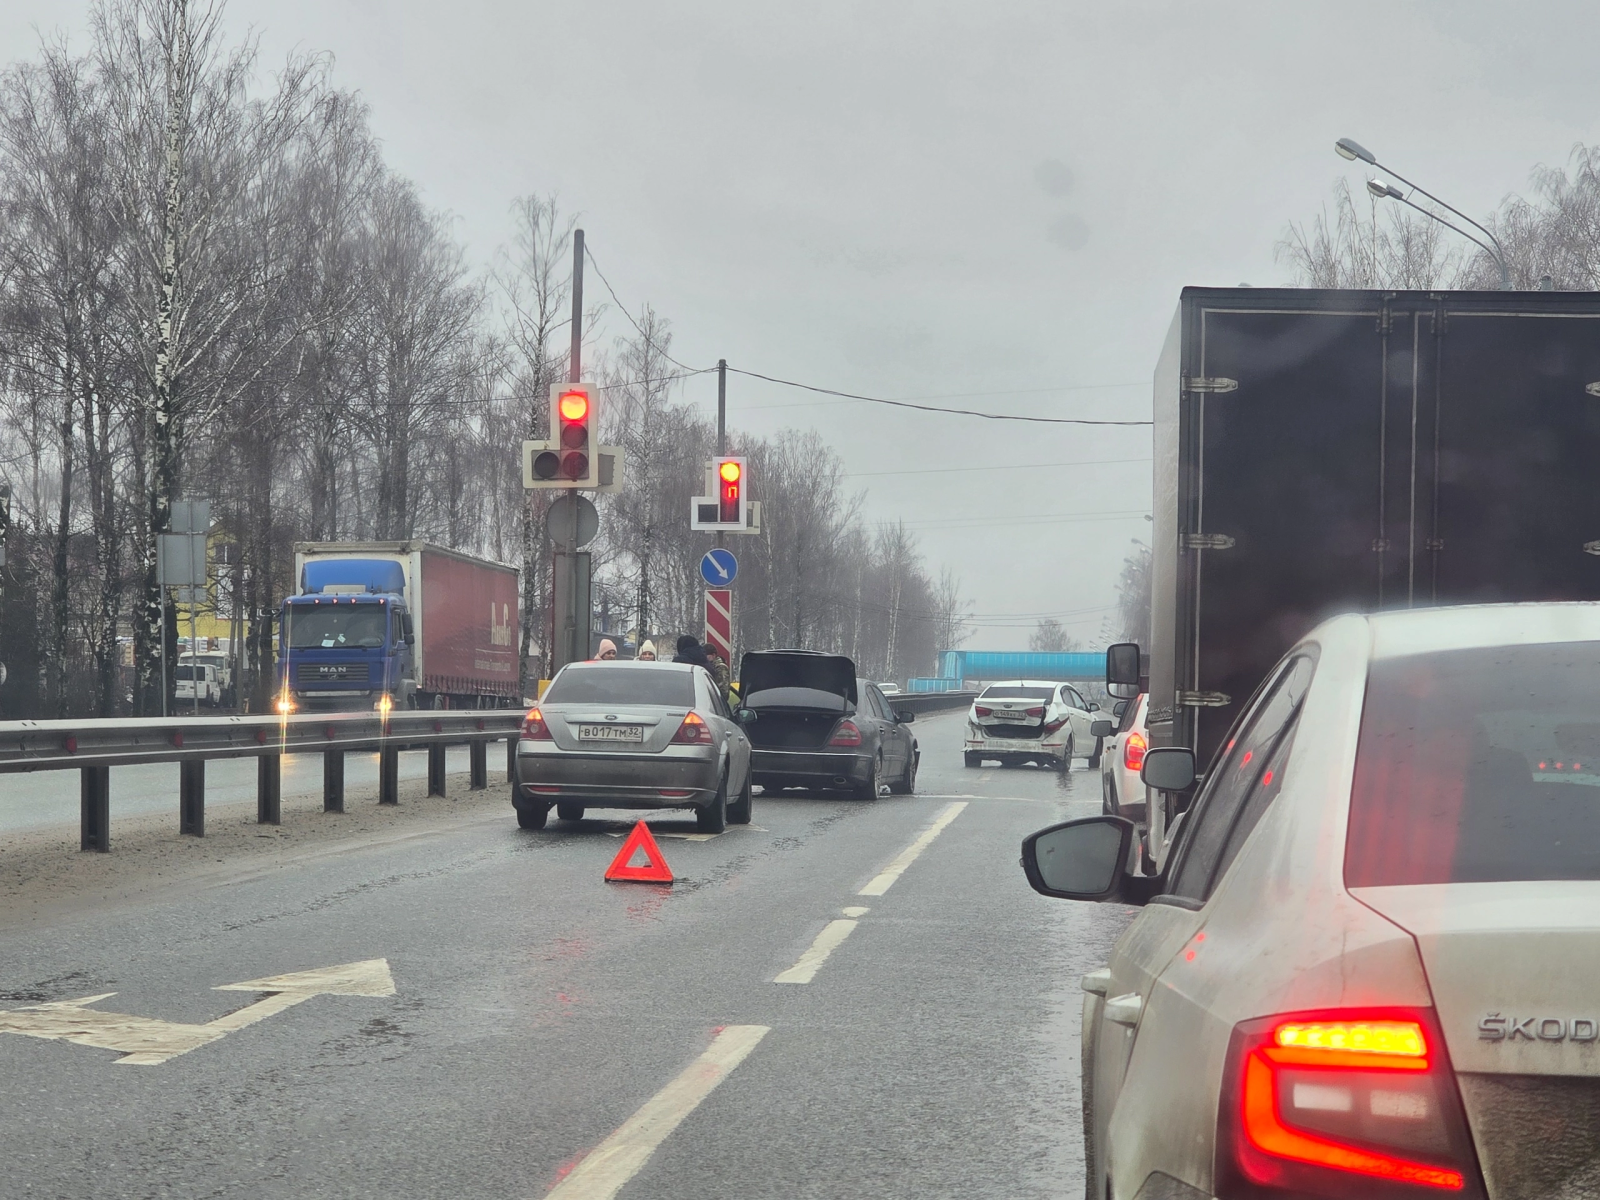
[(833, 933), (603, 1171), (884, 880)]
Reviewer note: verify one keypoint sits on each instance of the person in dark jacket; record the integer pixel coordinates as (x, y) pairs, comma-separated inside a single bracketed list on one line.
[(690, 651)]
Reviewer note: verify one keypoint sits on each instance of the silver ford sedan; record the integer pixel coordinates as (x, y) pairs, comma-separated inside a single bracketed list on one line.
[(632, 735)]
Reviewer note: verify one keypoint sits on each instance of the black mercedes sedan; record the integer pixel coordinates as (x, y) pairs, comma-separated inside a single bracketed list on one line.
[(813, 724)]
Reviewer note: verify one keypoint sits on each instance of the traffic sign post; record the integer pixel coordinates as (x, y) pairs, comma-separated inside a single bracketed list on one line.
[(719, 622)]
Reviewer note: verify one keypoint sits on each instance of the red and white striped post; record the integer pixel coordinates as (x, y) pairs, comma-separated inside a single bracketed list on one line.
[(719, 622)]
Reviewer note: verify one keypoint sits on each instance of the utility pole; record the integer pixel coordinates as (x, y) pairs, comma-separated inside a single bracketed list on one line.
[(567, 598), (722, 423)]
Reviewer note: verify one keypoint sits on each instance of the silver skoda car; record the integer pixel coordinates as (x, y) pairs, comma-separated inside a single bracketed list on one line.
[(632, 735), (1370, 965)]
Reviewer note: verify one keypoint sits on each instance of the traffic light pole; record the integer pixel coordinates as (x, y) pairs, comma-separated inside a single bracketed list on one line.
[(566, 586), (722, 422)]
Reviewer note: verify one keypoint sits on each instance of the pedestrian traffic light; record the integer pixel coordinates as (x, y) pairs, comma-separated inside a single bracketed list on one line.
[(725, 506), (570, 457)]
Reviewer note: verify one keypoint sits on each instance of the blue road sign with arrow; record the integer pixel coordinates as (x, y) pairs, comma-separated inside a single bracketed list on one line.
[(718, 567)]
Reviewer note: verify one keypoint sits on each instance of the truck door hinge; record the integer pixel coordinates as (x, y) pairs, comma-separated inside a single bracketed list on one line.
[(1205, 699), (1125, 1010), (1204, 541), (1591, 547), (1214, 383), (1593, 388), (1097, 982)]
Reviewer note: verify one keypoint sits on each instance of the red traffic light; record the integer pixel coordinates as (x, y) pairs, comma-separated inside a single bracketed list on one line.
[(574, 406), (730, 488)]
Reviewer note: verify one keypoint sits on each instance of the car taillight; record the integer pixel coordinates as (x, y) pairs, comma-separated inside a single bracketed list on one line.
[(847, 734), (1035, 712), (1133, 750), (534, 727), (693, 732), (981, 711), (1343, 1103), (1052, 726)]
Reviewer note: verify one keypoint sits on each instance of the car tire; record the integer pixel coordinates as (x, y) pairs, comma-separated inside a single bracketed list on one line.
[(568, 811), (713, 818), (974, 760), (1064, 763), (533, 816), (739, 810), (907, 783), (869, 789)]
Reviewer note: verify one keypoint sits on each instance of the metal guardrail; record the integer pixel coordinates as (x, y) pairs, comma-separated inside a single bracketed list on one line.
[(922, 702), (93, 747)]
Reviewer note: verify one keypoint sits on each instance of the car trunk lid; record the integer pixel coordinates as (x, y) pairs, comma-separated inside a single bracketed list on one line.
[(656, 726), (802, 670), (1515, 979)]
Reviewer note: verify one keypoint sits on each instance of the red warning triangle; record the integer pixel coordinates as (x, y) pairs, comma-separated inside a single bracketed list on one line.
[(655, 871)]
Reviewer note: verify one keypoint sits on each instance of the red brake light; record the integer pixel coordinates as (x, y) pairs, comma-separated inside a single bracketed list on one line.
[(534, 727), (1133, 748), (693, 732), (981, 711), (847, 734), (1318, 1098), (1035, 712)]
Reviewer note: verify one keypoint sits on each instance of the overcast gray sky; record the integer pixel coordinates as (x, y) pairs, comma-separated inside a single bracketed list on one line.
[(915, 199)]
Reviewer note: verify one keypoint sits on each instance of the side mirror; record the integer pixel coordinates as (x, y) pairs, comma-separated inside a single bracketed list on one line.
[(746, 716), (1101, 729), (1081, 860), (1168, 768), (1094, 706), (905, 716), (1122, 663), (1120, 707)]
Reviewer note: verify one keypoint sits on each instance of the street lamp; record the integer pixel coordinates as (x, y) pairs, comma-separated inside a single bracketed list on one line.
[(1355, 152)]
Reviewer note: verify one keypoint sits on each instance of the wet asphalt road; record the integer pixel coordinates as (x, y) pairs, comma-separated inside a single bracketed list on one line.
[(536, 1008)]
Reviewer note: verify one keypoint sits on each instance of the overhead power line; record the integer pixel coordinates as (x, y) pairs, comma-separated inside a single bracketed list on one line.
[(961, 412), (1080, 462)]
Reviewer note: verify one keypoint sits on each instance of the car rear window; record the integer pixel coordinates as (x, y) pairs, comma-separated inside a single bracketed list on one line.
[(1476, 766), (1017, 693), (622, 685)]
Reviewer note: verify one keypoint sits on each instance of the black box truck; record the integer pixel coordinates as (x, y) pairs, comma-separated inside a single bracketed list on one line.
[(1319, 452)]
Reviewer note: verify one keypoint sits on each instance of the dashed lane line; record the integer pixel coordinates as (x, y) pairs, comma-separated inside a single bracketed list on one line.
[(832, 936), (884, 880), (602, 1172)]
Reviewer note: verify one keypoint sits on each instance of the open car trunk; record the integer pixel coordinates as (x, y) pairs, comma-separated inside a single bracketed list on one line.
[(798, 696)]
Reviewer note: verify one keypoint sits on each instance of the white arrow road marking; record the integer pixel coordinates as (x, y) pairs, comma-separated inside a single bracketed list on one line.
[(616, 1160), (884, 880), (145, 1041)]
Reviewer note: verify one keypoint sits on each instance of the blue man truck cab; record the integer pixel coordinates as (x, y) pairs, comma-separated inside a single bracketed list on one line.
[(346, 641)]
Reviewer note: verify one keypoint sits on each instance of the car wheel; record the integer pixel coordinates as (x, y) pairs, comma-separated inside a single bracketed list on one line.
[(533, 817), (1064, 763), (739, 810), (869, 789), (568, 811), (974, 760), (907, 783), (713, 818)]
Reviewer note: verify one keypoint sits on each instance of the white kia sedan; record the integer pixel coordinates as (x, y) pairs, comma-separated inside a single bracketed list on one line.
[(1371, 964), (1030, 720)]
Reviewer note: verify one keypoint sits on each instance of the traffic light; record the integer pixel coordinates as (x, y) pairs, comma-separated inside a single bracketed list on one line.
[(726, 506), (730, 491), (570, 457)]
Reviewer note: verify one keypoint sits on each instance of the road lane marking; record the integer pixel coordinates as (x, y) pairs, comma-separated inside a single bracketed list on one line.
[(147, 1041), (884, 880), (602, 1172), (804, 971), (855, 911)]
